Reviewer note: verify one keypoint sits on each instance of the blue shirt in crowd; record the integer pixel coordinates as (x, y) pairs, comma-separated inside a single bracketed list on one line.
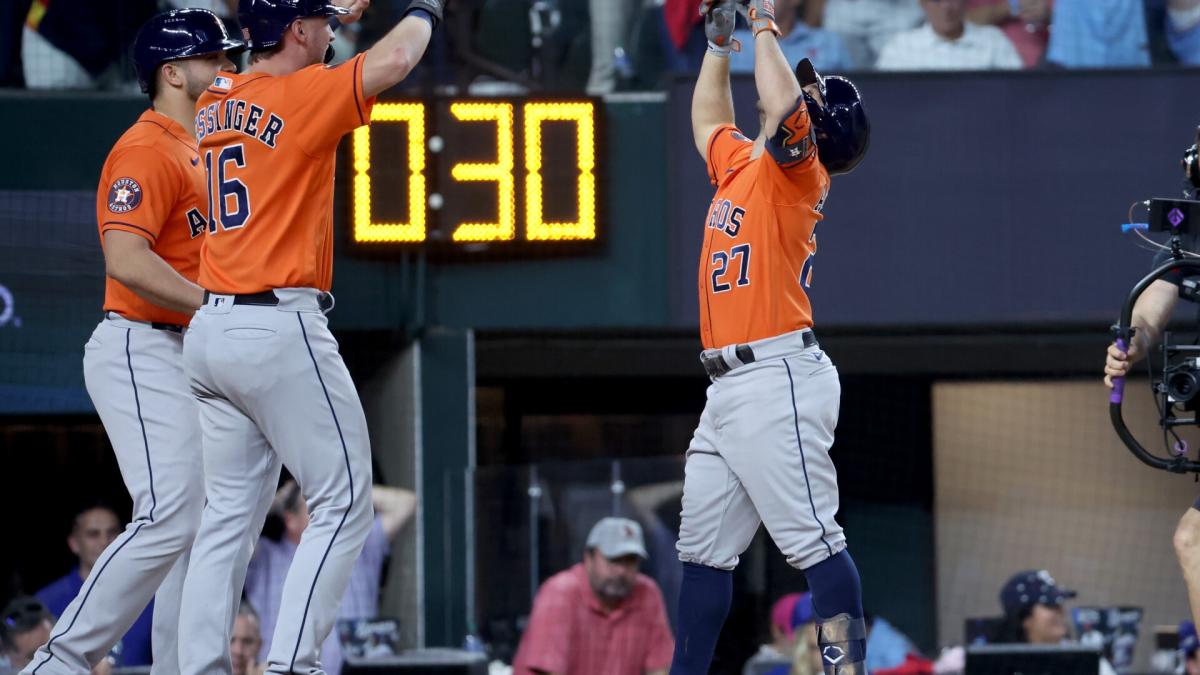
[(135, 646), (822, 47), (1098, 34)]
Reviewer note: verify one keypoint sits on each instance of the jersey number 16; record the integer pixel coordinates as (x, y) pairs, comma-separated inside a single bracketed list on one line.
[(230, 194)]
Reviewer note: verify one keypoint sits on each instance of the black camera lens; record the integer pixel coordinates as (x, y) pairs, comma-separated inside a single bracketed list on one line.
[(1182, 385)]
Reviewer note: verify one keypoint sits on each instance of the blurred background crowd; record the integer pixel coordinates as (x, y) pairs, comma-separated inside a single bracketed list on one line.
[(620, 45)]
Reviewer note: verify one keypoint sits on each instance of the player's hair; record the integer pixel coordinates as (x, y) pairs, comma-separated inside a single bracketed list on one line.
[(21, 615), (257, 55)]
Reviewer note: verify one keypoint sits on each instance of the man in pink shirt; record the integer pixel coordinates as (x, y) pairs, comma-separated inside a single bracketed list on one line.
[(600, 617)]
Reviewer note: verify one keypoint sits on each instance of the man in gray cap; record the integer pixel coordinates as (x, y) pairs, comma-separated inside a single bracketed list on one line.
[(600, 616)]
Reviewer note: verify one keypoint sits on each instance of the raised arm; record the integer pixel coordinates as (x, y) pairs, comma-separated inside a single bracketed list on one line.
[(712, 100), (397, 53), (777, 86)]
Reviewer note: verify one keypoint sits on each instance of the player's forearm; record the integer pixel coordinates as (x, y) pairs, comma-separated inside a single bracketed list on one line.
[(774, 79), (712, 100), (153, 279), (395, 55)]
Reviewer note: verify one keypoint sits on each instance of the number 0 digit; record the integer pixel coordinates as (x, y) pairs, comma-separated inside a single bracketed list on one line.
[(583, 117)]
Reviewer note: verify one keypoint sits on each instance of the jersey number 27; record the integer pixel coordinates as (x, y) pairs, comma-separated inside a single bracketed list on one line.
[(231, 197)]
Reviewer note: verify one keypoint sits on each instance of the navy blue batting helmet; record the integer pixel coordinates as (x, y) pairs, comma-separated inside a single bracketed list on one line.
[(178, 34), (265, 21), (841, 127)]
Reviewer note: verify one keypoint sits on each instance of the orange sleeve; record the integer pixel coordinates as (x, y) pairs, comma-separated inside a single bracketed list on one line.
[(726, 147), (331, 102), (143, 187)]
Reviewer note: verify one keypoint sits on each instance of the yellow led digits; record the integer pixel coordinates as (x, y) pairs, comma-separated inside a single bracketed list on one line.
[(500, 172), (583, 116), (367, 230)]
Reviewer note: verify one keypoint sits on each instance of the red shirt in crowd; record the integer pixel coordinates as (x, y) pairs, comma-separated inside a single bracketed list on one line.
[(570, 632)]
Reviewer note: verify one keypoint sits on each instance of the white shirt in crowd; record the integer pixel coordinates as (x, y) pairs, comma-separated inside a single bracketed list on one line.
[(978, 48)]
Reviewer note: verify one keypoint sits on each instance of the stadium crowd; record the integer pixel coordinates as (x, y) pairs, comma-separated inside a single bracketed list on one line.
[(613, 45)]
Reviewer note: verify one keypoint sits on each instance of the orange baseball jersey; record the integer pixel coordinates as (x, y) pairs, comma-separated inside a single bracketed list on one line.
[(152, 185), (268, 145), (756, 263)]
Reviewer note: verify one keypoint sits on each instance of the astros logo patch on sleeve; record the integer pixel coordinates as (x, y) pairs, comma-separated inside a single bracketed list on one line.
[(124, 196)]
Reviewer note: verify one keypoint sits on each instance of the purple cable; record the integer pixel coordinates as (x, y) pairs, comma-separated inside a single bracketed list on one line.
[(1118, 389)]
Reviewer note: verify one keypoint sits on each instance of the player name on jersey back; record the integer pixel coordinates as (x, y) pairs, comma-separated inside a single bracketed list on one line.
[(241, 116)]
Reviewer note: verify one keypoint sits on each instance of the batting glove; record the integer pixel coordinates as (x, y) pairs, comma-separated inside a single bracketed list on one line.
[(760, 14), (720, 16)]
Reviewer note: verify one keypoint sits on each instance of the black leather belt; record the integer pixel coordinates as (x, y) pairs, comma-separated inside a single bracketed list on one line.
[(156, 325), (264, 299), (716, 365)]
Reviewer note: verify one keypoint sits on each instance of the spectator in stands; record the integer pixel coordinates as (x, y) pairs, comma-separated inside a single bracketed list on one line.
[(783, 640), (269, 565), (1033, 611), (1183, 30), (93, 530), (803, 654), (948, 42), (865, 26), (1026, 23), (26, 626), (1098, 34), (1189, 648), (798, 41), (611, 21), (246, 641), (81, 44), (600, 617)]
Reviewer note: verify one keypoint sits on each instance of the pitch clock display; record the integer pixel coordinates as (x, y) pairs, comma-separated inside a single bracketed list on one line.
[(496, 175)]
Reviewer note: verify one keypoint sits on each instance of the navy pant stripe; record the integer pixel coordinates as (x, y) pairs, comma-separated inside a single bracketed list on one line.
[(803, 462), (350, 477), (95, 579), (145, 440)]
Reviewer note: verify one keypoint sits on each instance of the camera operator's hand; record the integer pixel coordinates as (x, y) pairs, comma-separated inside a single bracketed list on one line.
[(1118, 362)]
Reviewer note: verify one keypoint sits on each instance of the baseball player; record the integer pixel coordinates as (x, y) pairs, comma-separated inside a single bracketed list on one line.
[(150, 207), (262, 361), (761, 450)]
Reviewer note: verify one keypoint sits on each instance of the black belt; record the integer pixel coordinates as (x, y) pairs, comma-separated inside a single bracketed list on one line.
[(716, 365), (156, 325), (264, 299)]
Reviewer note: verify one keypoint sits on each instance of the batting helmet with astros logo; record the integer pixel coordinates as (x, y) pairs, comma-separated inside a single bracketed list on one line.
[(178, 34), (841, 127)]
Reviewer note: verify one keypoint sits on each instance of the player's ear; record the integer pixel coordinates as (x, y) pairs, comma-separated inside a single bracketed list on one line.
[(172, 74)]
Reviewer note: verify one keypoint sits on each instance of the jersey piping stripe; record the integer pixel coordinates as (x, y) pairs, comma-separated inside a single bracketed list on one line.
[(803, 462), (95, 579), (349, 476), (357, 84), (117, 222), (168, 132), (145, 439)]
